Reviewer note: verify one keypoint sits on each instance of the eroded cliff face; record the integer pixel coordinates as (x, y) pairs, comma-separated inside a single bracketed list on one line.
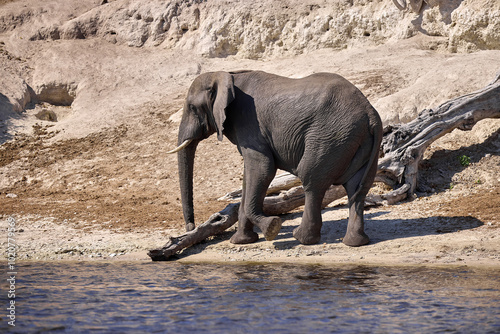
[(265, 28), (103, 60)]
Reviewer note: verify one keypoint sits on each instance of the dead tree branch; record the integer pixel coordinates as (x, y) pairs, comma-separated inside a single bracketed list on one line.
[(216, 224), (281, 182), (403, 145)]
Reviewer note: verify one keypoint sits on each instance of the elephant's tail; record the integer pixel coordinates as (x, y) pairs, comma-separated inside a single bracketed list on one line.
[(377, 132)]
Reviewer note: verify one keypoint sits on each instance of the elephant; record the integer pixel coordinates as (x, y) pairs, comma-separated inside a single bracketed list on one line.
[(320, 128)]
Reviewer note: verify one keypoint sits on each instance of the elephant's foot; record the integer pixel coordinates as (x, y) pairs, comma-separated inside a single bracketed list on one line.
[(356, 239), (270, 227), (190, 227), (242, 237), (306, 237)]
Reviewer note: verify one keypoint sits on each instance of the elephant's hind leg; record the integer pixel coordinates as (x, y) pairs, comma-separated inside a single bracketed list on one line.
[(355, 235)]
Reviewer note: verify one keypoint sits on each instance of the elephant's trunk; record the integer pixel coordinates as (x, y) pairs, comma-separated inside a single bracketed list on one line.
[(185, 160)]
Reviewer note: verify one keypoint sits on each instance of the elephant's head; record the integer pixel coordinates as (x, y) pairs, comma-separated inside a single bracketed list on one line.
[(204, 114)]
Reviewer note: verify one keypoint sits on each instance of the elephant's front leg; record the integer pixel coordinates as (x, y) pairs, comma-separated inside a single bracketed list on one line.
[(245, 233), (259, 172)]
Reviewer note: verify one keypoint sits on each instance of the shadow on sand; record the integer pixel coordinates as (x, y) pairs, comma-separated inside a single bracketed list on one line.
[(7, 114), (378, 229), (383, 229)]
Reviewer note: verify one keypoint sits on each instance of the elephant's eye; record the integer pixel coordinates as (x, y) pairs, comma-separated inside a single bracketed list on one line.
[(194, 111)]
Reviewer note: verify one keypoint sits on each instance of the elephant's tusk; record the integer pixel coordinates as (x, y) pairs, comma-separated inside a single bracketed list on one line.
[(180, 147)]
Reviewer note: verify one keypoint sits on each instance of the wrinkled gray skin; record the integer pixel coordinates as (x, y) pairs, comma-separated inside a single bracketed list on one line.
[(320, 128)]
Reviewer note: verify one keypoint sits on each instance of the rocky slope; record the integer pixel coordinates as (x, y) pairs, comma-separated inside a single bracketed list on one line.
[(92, 56)]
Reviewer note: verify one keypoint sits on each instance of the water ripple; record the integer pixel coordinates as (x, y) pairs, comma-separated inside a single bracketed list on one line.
[(172, 297)]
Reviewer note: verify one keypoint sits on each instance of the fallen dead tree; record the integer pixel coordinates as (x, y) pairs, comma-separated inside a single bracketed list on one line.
[(403, 145), (402, 150)]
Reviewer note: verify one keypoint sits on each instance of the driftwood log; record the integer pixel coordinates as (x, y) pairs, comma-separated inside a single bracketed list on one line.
[(216, 224), (402, 150)]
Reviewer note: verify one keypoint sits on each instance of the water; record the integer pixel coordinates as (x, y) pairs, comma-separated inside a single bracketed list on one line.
[(169, 297)]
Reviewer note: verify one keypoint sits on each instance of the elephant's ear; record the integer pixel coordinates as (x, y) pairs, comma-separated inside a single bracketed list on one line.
[(223, 87)]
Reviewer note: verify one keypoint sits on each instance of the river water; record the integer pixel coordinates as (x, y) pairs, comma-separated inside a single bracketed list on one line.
[(170, 297)]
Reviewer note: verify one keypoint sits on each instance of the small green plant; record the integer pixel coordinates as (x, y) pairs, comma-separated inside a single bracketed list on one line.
[(464, 160)]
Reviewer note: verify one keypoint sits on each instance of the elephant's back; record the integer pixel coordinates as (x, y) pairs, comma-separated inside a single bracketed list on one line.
[(319, 117)]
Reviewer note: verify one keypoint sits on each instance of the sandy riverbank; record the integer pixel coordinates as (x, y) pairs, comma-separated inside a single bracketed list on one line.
[(443, 229)]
